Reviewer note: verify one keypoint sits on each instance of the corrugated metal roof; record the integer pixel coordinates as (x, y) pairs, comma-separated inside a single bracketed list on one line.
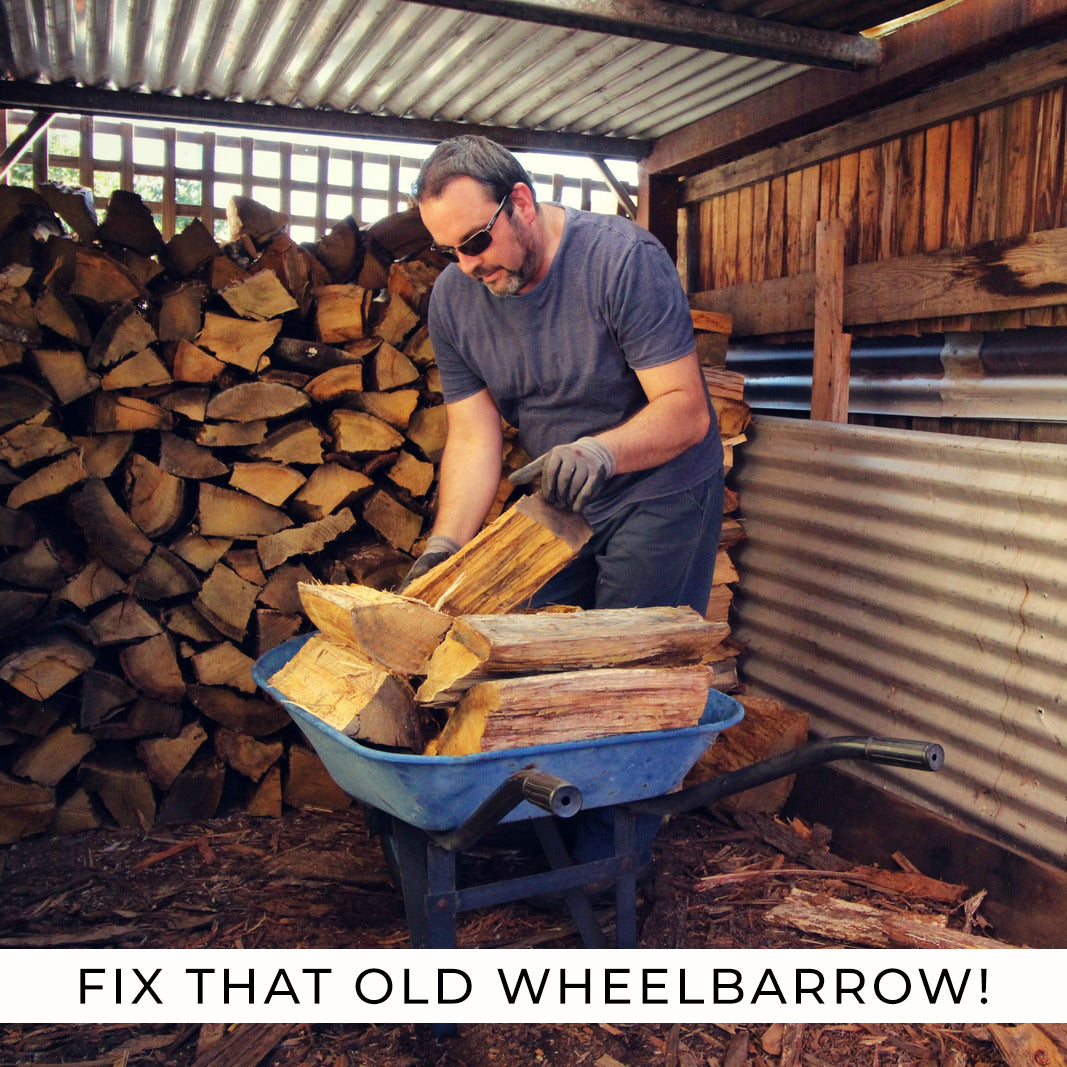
[(910, 584), (402, 59)]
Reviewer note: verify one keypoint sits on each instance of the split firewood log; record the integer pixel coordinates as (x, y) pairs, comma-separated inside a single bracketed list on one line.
[(66, 372), (573, 705), (308, 784), (308, 539), (129, 223), (478, 647), (166, 757), (74, 205), (354, 695), (245, 754), (123, 788), (46, 665), (25, 808), (259, 296), (249, 401), (48, 760), (854, 923), (769, 728), (503, 565), (399, 633), (226, 600), (246, 216)]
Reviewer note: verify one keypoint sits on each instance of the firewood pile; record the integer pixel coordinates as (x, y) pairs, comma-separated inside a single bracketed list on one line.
[(456, 667), (189, 431)]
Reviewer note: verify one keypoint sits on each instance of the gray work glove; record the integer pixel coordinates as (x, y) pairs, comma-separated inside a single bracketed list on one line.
[(571, 475), (438, 549)]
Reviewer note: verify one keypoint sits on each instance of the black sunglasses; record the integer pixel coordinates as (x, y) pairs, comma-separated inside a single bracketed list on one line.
[(478, 241)]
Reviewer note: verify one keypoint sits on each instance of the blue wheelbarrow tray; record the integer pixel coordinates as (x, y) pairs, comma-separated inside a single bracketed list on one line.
[(439, 793)]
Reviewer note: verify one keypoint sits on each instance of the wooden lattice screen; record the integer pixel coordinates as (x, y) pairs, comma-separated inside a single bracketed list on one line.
[(185, 173)]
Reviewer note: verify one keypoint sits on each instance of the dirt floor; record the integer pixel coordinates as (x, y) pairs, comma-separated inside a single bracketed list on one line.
[(318, 879)]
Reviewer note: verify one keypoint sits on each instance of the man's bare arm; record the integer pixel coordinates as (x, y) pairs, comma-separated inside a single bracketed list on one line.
[(469, 474), (675, 418)]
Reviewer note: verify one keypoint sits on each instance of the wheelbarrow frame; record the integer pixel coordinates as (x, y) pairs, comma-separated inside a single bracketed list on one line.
[(424, 862)]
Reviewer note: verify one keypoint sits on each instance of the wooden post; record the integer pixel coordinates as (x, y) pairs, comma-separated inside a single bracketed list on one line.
[(830, 369), (169, 206), (657, 207)]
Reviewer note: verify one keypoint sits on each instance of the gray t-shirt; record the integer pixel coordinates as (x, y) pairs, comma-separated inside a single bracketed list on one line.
[(559, 360)]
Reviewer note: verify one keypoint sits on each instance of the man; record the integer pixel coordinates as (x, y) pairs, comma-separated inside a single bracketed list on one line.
[(575, 329)]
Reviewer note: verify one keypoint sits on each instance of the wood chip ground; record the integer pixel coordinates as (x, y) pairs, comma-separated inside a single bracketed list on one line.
[(317, 879)]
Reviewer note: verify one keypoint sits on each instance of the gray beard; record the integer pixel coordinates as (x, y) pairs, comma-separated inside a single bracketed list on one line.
[(516, 280)]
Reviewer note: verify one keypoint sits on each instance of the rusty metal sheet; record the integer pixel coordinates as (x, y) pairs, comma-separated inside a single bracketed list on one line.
[(913, 584)]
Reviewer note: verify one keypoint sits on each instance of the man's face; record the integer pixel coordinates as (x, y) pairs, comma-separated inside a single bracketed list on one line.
[(509, 264)]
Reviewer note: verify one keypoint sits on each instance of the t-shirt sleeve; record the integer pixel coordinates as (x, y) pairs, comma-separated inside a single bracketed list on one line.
[(648, 310), (458, 380)]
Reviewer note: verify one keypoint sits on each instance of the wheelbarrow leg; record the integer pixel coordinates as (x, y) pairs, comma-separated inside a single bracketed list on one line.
[(626, 879), (409, 852), (440, 900), (427, 874), (577, 899)]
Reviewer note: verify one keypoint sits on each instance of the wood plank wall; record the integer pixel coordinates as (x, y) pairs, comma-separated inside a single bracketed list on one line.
[(995, 173)]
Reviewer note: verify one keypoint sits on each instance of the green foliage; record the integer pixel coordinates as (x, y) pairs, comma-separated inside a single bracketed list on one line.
[(148, 187), (21, 174)]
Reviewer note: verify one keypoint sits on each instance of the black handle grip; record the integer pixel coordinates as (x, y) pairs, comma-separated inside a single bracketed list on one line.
[(551, 794), (917, 755), (541, 789), (896, 752)]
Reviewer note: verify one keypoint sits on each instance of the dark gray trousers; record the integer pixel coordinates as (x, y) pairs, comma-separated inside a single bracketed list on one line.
[(655, 553)]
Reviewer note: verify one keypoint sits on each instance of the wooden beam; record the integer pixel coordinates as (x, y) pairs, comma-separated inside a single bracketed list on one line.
[(691, 27), (1027, 75), (956, 41), (657, 208), (830, 368), (117, 102), (1003, 275), (620, 191), (38, 123)]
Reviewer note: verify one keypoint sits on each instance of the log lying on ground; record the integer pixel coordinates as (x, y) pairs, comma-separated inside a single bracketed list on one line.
[(353, 695), (480, 646), (1025, 1044), (573, 705), (506, 563), (852, 923), (398, 632)]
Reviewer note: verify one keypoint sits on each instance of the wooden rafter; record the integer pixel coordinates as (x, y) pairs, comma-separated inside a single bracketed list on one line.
[(13, 152), (691, 27), (966, 37)]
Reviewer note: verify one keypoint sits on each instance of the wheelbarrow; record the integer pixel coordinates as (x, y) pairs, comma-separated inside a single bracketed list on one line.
[(429, 809)]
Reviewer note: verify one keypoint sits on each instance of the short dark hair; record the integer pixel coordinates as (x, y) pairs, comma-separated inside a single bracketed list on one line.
[(470, 156)]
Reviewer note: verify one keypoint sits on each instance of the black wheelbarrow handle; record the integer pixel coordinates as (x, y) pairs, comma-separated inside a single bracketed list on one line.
[(544, 790), (893, 752)]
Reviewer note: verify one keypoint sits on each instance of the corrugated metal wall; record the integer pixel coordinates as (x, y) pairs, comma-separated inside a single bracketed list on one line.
[(1009, 384), (913, 584)]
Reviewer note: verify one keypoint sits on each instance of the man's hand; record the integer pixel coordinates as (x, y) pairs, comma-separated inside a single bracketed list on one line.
[(438, 549), (571, 475)]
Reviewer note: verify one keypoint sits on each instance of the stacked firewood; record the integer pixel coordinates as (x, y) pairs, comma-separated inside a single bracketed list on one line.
[(190, 430)]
